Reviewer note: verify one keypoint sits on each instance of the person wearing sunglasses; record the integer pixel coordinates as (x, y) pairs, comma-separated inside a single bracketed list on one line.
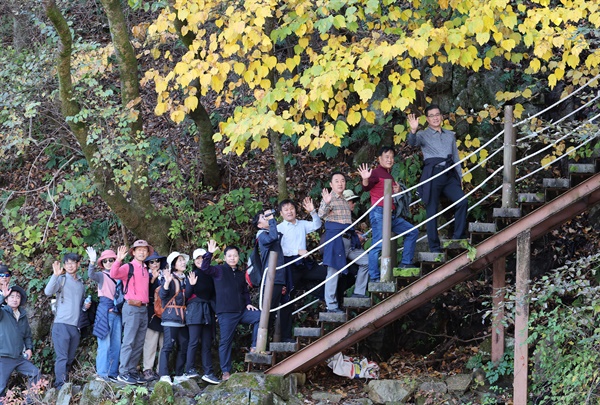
[(107, 325), (5, 276), (439, 153), (154, 334)]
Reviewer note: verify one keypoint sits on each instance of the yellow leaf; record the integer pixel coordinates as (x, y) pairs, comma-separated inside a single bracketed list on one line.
[(239, 68), (263, 143), (177, 116), (573, 60), (191, 103), (160, 108), (304, 141), (354, 117), (467, 177), (437, 71)]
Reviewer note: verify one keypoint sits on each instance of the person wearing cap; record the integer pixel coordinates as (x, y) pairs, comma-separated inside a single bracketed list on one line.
[(70, 295), (153, 343), (373, 181), (232, 301), (107, 325), (200, 319), (5, 275), (135, 309), (15, 335), (269, 239), (173, 296)]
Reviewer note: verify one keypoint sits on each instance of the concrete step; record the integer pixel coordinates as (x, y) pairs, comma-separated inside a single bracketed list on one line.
[(454, 244), (431, 257), (283, 347), (258, 358), (307, 332), (382, 287), (334, 317), (411, 272), (556, 183), (531, 198), (580, 172), (350, 302), (482, 227), (506, 213)]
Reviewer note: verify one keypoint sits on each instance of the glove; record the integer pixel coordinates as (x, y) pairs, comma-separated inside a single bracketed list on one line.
[(91, 254)]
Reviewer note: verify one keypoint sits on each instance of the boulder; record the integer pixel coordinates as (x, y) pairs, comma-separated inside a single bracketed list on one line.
[(383, 391)]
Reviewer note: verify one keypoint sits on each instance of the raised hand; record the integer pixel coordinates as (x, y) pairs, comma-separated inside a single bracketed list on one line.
[(193, 278), (413, 123), (121, 253), (326, 196), (365, 171), (212, 246), (308, 205), (57, 268), (91, 252), (168, 277)]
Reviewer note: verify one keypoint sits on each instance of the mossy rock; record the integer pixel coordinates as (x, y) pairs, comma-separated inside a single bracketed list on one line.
[(162, 394)]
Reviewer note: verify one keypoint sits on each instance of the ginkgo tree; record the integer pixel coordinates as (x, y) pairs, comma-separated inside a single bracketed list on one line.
[(314, 75)]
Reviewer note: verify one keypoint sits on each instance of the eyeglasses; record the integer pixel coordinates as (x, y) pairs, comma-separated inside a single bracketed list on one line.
[(108, 260), (434, 115), (155, 261), (4, 275)]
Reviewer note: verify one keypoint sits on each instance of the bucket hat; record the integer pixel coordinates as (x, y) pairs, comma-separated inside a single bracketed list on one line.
[(107, 254), (141, 243), (156, 256), (349, 195), (174, 255)]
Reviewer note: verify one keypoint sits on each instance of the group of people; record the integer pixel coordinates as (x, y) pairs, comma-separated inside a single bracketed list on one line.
[(192, 303)]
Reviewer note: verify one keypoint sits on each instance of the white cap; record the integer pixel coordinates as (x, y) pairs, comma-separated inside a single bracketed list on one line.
[(198, 253)]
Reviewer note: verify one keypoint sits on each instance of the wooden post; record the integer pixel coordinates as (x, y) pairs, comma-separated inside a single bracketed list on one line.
[(498, 285), (386, 232), (263, 325), (522, 319), (510, 153)]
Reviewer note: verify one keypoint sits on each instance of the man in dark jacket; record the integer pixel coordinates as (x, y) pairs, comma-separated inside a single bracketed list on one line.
[(15, 334), (233, 301)]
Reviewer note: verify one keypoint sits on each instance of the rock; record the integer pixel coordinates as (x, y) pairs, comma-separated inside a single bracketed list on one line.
[(51, 396), (433, 386), (459, 383), (64, 395), (93, 392), (189, 388), (382, 391), (326, 397), (162, 394)]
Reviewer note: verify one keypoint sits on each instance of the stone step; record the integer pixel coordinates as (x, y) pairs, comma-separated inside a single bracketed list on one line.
[(258, 358), (454, 244), (350, 302), (307, 332), (382, 287), (334, 317), (507, 213), (431, 257), (580, 168), (556, 183), (410, 272), (283, 347), (482, 227), (531, 198)]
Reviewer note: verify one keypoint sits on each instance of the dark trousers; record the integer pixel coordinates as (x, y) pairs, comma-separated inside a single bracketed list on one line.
[(305, 273), (203, 335), (65, 339), (173, 335), (25, 367), (228, 321), (449, 185), (284, 314)]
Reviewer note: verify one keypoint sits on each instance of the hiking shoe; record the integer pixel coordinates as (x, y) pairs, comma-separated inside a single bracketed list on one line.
[(127, 379), (359, 296), (139, 378), (334, 310), (112, 378), (102, 378), (191, 373), (288, 340), (179, 379), (408, 266), (149, 375), (225, 376), (166, 378), (210, 378)]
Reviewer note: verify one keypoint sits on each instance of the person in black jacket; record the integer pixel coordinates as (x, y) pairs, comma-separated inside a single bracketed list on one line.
[(200, 318), (15, 334), (233, 301), (172, 295), (268, 240)]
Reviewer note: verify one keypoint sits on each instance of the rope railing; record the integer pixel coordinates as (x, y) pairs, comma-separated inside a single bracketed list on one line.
[(479, 186)]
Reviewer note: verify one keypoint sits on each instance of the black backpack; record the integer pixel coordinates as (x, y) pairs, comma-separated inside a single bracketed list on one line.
[(254, 272)]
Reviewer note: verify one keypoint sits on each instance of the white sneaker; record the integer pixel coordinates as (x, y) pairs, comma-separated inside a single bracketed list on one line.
[(179, 379), (166, 378)]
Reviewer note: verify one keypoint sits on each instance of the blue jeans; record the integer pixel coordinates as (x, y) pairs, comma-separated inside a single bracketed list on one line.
[(228, 321), (399, 226), (109, 348)]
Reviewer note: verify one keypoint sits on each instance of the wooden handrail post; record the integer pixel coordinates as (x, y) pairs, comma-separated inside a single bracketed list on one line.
[(510, 153), (522, 319), (263, 325), (498, 290), (386, 232)]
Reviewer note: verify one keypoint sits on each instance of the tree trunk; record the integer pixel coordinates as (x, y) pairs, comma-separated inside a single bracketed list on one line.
[(207, 156), (136, 212)]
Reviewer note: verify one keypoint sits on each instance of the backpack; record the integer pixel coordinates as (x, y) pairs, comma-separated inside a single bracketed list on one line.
[(171, 304), (254, 273), (119, 298)]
